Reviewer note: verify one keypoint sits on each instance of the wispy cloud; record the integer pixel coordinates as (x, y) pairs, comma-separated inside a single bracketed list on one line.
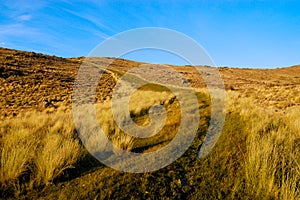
[(25, 17), (18, 29), (90, 19)]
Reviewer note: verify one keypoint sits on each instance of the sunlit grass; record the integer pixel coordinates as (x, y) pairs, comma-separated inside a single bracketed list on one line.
[(256, 157)]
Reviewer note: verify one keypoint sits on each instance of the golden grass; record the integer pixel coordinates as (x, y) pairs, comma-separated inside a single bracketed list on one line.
[(271, 163), (38, 145), (257, 156), (57, 154), (42, 145), (17, 151), (140, 103)]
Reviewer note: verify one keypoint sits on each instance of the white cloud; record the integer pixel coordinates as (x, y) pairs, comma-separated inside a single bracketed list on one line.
[(25, 17), (18, 29)]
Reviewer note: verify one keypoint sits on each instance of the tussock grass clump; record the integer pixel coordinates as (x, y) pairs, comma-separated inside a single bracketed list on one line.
[(57, 154), (122, 141), (271, 162), (36, 148), (17, 152)]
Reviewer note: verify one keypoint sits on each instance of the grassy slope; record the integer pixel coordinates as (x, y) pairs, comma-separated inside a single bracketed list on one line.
[(257, 156)]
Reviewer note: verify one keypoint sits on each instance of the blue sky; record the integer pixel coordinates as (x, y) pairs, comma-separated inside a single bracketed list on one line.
[(264, 34)]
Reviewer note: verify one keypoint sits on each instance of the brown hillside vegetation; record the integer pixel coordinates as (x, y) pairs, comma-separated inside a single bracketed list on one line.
[(34, 81), (42, 157)]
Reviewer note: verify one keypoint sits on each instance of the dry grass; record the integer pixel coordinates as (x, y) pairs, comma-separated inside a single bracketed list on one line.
[(17, 151), (140, 104), (57, 154), (38, 147), (272, 156), (256, 157)]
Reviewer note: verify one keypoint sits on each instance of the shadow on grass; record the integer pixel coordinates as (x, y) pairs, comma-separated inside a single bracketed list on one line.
[(85, 165)]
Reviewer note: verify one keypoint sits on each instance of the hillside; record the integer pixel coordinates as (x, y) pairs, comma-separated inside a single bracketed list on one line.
[(34, 81), (42, 157)]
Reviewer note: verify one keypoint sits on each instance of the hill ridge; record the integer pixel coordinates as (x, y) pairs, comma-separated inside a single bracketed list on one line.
[(31, 80)]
